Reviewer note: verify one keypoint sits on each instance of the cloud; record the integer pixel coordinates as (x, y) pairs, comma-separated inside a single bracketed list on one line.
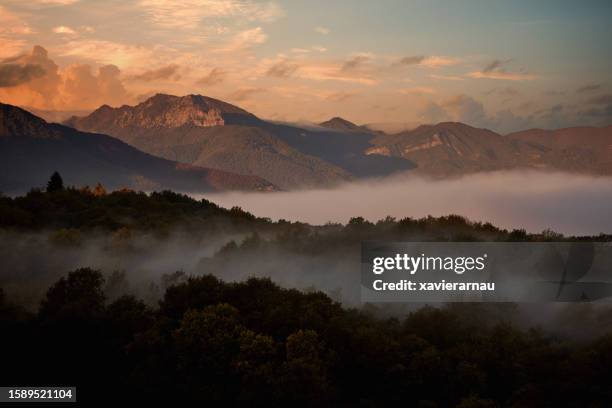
[(300, 50), (496, 70), (464, 108), (83, 87), (13, 29), (600, 111), (433, 61), (108, 52), (356, 72), (163, 73), (11, 23), (446, 77), (16, 74), (340, 96), (282, 69), (64, 30), (244, 40), (322, 30), (553, 93), (506, 91), (418, 90), (319, 48), (589, 88), (77, 86), (189, 14), (244, 94), (214, 77), (411, 60), (51, 2), (355, 62), (605, 99), (11, 48)]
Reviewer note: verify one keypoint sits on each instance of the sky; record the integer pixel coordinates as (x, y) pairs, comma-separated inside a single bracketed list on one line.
[(504, 65)]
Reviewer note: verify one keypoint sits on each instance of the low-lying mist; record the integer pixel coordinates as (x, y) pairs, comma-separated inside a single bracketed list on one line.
[(144, 263), (566, 203)]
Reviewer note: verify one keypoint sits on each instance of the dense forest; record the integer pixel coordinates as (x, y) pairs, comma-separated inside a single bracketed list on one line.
[(214, 336), (253, 343)]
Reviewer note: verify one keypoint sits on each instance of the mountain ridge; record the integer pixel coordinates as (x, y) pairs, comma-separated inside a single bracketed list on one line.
[(198, 130)]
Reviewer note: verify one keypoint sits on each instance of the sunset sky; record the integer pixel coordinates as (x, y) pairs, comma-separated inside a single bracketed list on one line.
[(505, 65)]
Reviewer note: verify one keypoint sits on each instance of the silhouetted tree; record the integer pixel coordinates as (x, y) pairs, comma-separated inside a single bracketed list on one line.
[(55, 183), (79, 295)]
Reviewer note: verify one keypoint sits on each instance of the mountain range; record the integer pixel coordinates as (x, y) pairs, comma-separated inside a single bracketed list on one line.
[(204, 131), (31, 149), (198, 143)]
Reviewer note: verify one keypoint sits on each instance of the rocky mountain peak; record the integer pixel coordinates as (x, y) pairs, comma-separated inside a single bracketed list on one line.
[(165, 111)]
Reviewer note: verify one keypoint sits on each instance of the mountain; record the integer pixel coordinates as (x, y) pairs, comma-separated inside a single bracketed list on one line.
[(452, 148), (576, 149), (31, 149), (195, 129), (162, 111), (338, 123)]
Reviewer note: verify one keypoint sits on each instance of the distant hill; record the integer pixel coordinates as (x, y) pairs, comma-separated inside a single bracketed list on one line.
[(452, 148), (31, 149), (577, 149), (338, 123)]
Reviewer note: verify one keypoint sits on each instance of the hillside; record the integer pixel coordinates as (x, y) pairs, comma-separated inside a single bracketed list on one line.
[(451, 148), (576, 149), (31, 149)]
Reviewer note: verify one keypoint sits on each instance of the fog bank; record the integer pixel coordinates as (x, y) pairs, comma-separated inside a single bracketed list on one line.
[(566, 203)]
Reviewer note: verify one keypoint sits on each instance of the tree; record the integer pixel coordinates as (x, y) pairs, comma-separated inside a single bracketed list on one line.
[(55, 183), (305, 379), (99, 190), (79, 295)]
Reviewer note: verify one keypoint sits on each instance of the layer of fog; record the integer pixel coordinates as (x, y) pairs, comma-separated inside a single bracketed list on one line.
[(570, 204), (145, 265), (566, 203)]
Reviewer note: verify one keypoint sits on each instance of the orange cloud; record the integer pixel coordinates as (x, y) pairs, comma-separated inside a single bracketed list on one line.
[(74, 87), (214, 77), (163, 73)]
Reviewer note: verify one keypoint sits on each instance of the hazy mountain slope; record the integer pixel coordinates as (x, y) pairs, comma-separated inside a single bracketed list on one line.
[(31, 149), (577, 149), (242, 150), (343, 149), (451, 148)]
